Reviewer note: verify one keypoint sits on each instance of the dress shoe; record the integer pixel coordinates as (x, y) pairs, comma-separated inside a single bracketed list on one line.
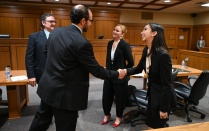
[(105, 122), (116, 125)]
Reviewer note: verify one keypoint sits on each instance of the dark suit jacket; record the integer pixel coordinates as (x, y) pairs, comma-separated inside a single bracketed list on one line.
[(70, 58), (35, 59), (122, 58), (160, 73)]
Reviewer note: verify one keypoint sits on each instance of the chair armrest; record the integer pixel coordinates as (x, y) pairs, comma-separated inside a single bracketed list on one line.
[(182, 84), (176, 83), (191, 77), (140, 90)]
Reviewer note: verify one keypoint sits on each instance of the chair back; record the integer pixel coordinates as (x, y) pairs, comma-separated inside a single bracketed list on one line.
[(174, 74), (173, 102), (199, 88)]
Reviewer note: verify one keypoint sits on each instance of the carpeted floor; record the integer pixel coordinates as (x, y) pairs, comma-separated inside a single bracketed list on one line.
[(90, 119)]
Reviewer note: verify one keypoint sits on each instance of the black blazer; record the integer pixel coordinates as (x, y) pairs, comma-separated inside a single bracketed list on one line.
[(35, 59), (159, 81), (122, 58), (70, 58)]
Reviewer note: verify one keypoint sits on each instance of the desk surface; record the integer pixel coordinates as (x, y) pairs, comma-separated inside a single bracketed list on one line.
[(4, 82), (192, 71)]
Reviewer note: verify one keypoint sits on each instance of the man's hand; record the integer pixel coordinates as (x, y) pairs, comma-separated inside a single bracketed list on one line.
[(32, 81), (163, 115), (122, 73)]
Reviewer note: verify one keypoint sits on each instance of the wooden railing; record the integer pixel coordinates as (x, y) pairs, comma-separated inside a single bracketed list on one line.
[(198, 60)]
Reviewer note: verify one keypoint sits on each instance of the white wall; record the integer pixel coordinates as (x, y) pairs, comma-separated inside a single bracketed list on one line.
[(202, 18), (132, 16)]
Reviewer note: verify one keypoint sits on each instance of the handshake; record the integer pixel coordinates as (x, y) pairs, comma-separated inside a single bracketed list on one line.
[(122, 73)]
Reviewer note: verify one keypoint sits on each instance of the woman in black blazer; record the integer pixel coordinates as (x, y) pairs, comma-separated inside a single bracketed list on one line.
[(157, 64), (119, 55)]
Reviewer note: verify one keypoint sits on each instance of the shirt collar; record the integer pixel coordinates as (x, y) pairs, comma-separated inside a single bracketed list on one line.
[(77, 27), (47, 33)]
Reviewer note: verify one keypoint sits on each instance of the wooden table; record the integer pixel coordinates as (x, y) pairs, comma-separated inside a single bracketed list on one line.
[(181, 76), (17, 93), (189, 127)]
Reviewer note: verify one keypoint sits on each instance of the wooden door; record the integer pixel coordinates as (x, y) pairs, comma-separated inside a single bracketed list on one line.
[(183, 38)]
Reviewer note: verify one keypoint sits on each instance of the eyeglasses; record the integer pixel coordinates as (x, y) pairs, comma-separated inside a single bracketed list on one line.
[(91, 20), (51, 21)]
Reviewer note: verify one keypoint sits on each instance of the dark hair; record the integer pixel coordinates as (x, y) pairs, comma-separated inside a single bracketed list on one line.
[(158, 43), (43, 18), (79, 12)]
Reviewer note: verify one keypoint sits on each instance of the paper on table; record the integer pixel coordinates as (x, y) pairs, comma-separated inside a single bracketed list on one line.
[(18, 78)]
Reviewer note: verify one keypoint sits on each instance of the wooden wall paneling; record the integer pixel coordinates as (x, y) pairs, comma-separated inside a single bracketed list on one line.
[(5, 58), (11, 26), (137, 53), (105, 28), (172, 37), (29, 26), (100, 55), (64, 22), (104, 23), (193, 60), (203, 63), (38, 25), (205, 36), (182, 54), (18, 51), (172, 53), (138, 36), (90, 34), (134, 34), (130, 35), (21, 51), (100, 50)]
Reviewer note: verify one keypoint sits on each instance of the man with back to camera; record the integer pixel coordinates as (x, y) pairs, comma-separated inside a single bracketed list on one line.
[(64, 86), (35, 59)]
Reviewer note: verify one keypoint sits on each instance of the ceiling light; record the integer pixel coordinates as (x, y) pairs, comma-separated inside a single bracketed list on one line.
[(207, 5), (167, 0), (56, 0), (109, 3)]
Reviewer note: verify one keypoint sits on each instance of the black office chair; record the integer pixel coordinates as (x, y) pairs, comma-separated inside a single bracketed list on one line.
[(139, 96), (188, 96)]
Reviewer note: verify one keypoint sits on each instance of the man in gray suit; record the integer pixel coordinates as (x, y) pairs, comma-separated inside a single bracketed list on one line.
[(64, 86), (35, 59)]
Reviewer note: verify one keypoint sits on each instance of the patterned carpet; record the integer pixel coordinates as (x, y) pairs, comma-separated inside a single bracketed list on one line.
[(90, 119)]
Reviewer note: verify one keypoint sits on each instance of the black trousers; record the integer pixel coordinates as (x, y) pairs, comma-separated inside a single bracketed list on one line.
[(65, 120), (111, 90)]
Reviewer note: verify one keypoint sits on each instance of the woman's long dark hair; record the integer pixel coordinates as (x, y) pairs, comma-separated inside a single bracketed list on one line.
[(158, 43)]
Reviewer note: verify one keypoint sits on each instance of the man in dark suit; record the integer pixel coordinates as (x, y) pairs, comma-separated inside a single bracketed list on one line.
[(35, 59), (64, 86)]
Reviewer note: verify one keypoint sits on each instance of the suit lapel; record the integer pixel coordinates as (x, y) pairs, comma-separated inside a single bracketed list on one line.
[(43, 36)]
